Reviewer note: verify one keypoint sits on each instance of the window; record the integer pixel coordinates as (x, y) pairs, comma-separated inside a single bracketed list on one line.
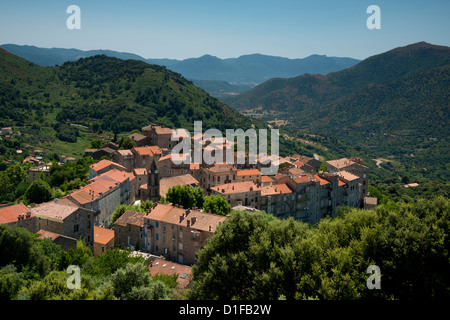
[(180, 246), (156, 236), (75, 228), (156, 224)]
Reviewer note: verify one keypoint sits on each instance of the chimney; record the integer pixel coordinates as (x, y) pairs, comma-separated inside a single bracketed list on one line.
[(210, 228), (181, 217), (193, 220), (188, 222)]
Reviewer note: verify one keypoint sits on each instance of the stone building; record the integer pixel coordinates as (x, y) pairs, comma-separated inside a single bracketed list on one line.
[(354, 166), (64, 217), (278, 199), (104, 166), (159, 136), (245, 193), (18, 215), (128, 230), (103, 240), (104, 193), (176, 233)]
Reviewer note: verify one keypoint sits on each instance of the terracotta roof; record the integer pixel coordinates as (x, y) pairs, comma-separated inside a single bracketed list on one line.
[(222, 167), (248, 172), (125, 152), (103, 235), (57, 209), (9, 213), (137, 136), (181, 157), (161, 130), (44, 234), (140, 171), (114, 175), (171, 214), (92, 191), (347, 176), (130, 217), (281, 188), (161, 266), (321, 180), (149, 150), (183, 180), (236, 187), (342, 163), (102, 164), (266, 179)]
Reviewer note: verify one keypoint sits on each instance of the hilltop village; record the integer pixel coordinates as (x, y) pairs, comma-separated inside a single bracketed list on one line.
[(168, 232)]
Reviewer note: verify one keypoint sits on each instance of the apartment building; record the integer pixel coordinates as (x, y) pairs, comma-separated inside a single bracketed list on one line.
[(176, 233), (104, 193), (244, 193), (18, 215), (278, 199), (354, 166), (66, 218)]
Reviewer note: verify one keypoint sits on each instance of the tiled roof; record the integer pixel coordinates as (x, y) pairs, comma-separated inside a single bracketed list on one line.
[(281, 188), (236, 187), (149, 150), (9, 213), (347, 176), (102, 164), (57, 209), (266, 179), (161, 266), (92, 191), (161, 130), (248, 172), (130, 217), (125, 152), (137, 136), (44, 234), (140, 171), (114, 175), (103, 235), (170, 214), (182, 180)]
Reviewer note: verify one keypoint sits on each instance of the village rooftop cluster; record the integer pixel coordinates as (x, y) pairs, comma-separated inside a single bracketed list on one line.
[(168, 233)]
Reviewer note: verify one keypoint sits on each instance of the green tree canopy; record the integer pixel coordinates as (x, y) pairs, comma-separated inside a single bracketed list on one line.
[(255, 256), (216, 204), (39, 191), (186, 196)]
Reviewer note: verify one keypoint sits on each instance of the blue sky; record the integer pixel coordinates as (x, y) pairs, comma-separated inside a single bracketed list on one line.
[(182, 29)]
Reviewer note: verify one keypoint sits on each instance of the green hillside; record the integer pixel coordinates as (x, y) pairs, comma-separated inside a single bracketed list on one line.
[(394, 105), (106, 93)]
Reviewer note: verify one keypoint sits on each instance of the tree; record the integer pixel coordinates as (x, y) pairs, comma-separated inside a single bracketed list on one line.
[(18, 247), (186, 196), (256, 256), (39, 191), (10, 282), (95, 144), (216, 204), (132, 282)]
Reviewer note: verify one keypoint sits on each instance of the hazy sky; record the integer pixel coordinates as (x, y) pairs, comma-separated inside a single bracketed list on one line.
[(182, 29)]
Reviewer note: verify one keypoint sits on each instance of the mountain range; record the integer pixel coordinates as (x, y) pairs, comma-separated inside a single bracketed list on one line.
[(242, 73), (394, 104)]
